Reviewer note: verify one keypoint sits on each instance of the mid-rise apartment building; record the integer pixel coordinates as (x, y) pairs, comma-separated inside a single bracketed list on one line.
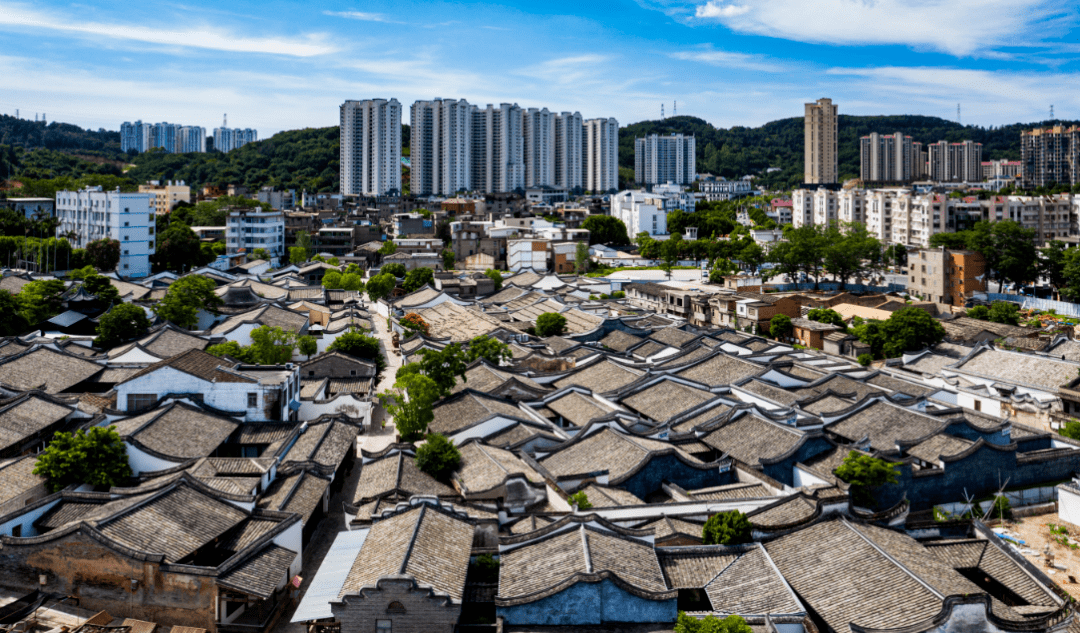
[(166, 196), (93, 214), (135, 136), (370, 147), (1050, 156), (498, 153), (995, 169), (954, 162), (647, 212), (440, 147), (569, 149), (890, 158), (820, 131), (945, 276), (190, 139), (250, 228), (662, 159), (227, 139), (725, 189), (601, 155)]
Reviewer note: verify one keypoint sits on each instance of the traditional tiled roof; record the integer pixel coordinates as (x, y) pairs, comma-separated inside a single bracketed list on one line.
[(770, 391), (457, 323), (619, 454), (939, 445), (720, 369), (665, 400), (730, 491), (672, 336), (751, 585), (557, 561), (300, 492), (504, 295), (602, 376), (177, 430), (788, 511), (987, 558), (696, 567), (860, 574), (426, 542), (485, 468), (577, 408), (46, 368), (467, 408), (482, 377), (199, 364), (650, 349), (23, 417), (897, 385), (17, 476), (966, 329), (749, 438), (884, 423), (396, 472), (559, 344), (620, 341), (270, 315), (608, 497), (1017, 368), (259, 574), (671, 527), (170, 341), (324, 443)]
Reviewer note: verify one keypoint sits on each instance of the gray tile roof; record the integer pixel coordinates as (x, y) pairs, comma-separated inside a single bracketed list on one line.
[(749, 438), (940, 445), (484, 468), (17, 476), (23, 417), (577, 408), (468, 408), (46, 368), (665, 400), (620, 341), (751, 585), (396, 472), (199, 364), (178, 430), (300, 492), (601, 376), (606, 449), (608, 497), (325, 443), (424, 542), (1018, 368), (259, 575), (884, 423), (721, 369), (989, 559), (672, 336), (694, 568)]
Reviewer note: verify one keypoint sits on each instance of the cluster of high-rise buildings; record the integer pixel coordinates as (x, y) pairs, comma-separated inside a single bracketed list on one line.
[(896, 158), (665, 159), (456, 146), (180, 139), (1050, 156)]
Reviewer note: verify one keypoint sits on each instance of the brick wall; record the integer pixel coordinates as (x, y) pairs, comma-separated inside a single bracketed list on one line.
[(410, 608)]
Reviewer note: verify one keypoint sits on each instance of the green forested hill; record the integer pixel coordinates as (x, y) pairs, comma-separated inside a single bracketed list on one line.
[(308, 159), (738, 151)]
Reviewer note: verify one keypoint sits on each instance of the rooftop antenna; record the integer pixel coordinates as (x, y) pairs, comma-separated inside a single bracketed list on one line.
[(1051, 112), (675, 108), (225, 121), (958, 114), (661, 112)]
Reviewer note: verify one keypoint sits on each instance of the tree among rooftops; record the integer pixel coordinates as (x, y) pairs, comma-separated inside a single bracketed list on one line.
[(906, 330), (103, 254), (580, 501), (96, 457), (101, 287), (827, 316), (13, 323), (381, 286), (727, 528), (438, 457), (417, 278), (395, 269), (550, 324), (711, 624), (413, 323), (489, 348), (356, 343), (441, 366), (185, 297), (866, 474), (124, 322), (780, 327), (495, 277), (410, 404), (307, 345)]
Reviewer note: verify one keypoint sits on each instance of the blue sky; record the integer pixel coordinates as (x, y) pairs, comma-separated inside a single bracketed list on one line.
[(276, 65)]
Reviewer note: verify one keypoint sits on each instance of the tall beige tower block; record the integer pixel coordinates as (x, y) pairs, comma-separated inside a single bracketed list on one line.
[(821, 160)]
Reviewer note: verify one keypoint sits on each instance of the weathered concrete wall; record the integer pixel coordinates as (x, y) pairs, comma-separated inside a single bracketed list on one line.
[(100, 577), (420, 612), (589, 604)]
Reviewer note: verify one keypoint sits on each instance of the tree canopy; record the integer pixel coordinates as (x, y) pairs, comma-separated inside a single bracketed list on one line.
[(727, 528), (410, 404), (866, 474), (550, 324), (489, 348), (96, 457), (438, 457), (906, 330), (360, 345), (380, 286), (124, 322), (606, 229), (185, 297), (417, 278)]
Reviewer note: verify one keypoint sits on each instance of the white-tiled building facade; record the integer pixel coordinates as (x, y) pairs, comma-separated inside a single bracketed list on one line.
[(660, 159), (227, 139), (93, 214), (370, 147), (440, 147), (601, 160), (249, 229)]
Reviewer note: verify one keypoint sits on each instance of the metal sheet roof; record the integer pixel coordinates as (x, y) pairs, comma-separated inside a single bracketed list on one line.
[(330, 577)]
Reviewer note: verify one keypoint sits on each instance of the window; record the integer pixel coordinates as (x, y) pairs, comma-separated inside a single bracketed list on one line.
[(16, 531), (978, 405), (352, 372), (253, 400), (383, 626), (136, 401), (311, 372)]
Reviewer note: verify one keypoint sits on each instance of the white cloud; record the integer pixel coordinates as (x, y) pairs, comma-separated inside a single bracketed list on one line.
[(957, 27), (362, 16), (728, 59), (203, 37), (717, 9)]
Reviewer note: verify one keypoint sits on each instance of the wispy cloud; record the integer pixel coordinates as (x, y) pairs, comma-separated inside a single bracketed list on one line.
[(202, 37), (362, 16), (729, 59), (957, 27)]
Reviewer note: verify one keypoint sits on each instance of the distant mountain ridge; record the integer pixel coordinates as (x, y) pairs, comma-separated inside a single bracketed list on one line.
[(308, 159)]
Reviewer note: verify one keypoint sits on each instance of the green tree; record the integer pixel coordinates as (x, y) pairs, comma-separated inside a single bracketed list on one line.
[(711, 624), (606, 229), (178, 249), (388, 248), (950, 241), (79, 274), (395, 269), (849, 251), (1004, 312), (104, 254), (1052, 265), (13, 323), (272, 345), (727, 528), (380, 286), (261, 253), (448, 259), (410, 405), (331, 280), (307, 345), (303, 241), (1009, 251), (1071, 429), (495, 277), (96, 457), (580, 500), (40, 300), (352, 281), (185, 297), (489, 348), (417, 278), (101, 287), (233, 350), (908, 329), (780, 327), (981, 313), (865, 359), (721, 268), (438, 457), (828, 316), (443, 366), (297, 255), (752, 256), (550, 324), (866, 474), (124, 322), (359, 345), (581, 258)]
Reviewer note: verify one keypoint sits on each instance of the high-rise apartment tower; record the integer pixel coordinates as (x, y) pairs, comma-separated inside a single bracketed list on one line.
[(440, 147), (821, 144), (370, 147)]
